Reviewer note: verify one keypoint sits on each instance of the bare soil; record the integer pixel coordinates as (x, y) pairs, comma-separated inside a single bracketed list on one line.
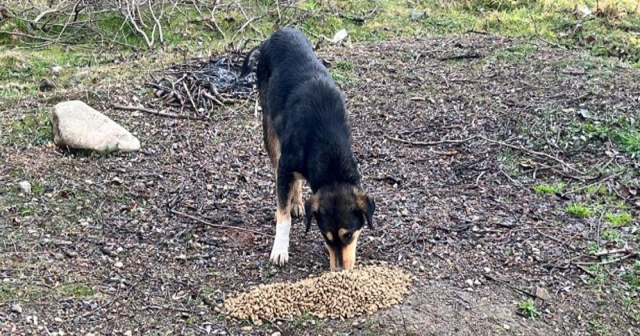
[(448, 133)]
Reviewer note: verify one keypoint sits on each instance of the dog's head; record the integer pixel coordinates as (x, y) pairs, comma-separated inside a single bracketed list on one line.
[(341, 212)]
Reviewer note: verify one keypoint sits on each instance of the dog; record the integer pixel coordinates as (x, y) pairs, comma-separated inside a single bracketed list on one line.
[(307, 135)]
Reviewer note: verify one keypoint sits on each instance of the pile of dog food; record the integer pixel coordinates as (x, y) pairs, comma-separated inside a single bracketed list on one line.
[(335, 295)]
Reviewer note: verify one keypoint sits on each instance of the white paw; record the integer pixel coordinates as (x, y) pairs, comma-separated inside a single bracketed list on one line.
[(279, 254), (280, 249)]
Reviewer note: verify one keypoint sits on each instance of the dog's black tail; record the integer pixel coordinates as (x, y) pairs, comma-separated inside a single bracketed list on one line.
[(246, 67)]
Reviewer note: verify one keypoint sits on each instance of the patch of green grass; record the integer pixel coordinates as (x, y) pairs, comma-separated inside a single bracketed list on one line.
[(37, 188), (618, 219), (515, 52), (611, 235), (629, 141), (623, 132), (549, 189), (77, 290), (6, 293), (598, 273), (632, 277), (341, 71), (597, 327), (528, 308), (26, 210), (33, 128), (579, 210)]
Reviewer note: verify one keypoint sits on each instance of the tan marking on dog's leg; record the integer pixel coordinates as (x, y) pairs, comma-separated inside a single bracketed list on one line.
[(332, 257), (297, 204), (349, 252)]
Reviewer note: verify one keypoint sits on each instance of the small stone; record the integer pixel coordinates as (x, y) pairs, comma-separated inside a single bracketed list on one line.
[(81, 74), (542, 294), (59, 320), (118, 264), (25, 186), (277, 333), (247, 328), (415, 15), (477, 282), (469, 282), (487, 270), (46, 85), (16, 308), (128, 333), (506, 327), (405, 213), (339, 36), (56, 69)]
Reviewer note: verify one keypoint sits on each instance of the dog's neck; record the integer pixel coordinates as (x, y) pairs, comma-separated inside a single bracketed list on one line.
[(342, 167)]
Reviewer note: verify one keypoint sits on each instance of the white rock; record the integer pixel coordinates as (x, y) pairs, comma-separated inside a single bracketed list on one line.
[(16, 308), (81, 74), (25, 186), (469, 282), (56, 69), (128, 333), (77, 125), (339, 36), (118, 264)]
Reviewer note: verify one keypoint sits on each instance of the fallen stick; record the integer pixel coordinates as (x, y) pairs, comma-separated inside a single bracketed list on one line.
[(531, 152), (613, 251), (605, 262), (219, 226), (419, 143), (158, 113)]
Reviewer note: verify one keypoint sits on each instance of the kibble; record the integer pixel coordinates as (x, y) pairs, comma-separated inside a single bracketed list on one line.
[(336, 295)]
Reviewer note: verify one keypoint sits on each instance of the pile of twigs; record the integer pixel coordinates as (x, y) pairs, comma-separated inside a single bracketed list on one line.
[(202, 86)]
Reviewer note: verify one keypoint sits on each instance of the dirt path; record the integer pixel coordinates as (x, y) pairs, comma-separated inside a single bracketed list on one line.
[(100, 248)]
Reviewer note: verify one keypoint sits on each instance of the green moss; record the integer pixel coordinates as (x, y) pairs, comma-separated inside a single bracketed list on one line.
[(579, 210), (618, 219)]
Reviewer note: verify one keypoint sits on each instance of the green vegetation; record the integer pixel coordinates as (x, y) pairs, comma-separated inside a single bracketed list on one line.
[(77, 290), (632, 278), (623, 132), (618, 219), (33, 128), (579, 210), (528, 308), (549, 189)]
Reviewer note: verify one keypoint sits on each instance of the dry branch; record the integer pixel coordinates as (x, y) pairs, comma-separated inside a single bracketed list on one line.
[(158, 113), (219, 226)]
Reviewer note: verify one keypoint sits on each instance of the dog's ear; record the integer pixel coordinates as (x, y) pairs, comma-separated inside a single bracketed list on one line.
[(367, 205), (310, 208)]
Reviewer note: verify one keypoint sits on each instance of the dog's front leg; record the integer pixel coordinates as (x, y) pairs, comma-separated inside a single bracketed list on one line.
[(284, 191)]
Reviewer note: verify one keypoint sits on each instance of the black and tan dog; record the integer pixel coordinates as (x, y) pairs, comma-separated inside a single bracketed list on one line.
[(307, 136)]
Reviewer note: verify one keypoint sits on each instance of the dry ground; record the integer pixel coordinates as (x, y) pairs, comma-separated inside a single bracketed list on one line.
[(459, 213)]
